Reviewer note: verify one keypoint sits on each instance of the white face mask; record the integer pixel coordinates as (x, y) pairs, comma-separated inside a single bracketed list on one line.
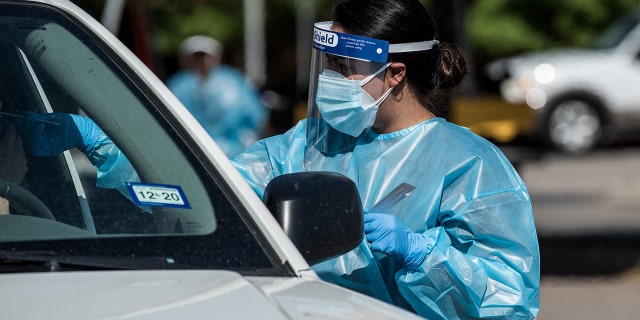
[(344, 104)]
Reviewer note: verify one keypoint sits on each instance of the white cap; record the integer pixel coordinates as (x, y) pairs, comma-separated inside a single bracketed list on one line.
[(203, 44)]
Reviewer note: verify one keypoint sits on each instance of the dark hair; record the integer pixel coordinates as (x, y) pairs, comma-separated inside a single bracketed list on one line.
[(432, 74)]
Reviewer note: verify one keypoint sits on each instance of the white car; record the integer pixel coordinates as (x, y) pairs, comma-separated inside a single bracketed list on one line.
[(581, 97), (191, 240)]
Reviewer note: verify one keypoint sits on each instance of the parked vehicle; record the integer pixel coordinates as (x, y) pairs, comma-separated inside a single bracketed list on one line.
[(191, 239), (581, 97)]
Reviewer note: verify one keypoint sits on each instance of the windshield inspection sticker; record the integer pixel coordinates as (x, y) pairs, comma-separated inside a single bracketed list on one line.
[(159, 195)]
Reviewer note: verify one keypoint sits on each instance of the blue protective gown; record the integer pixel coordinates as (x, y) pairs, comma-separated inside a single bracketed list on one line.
[(224, 103), (469, 201)]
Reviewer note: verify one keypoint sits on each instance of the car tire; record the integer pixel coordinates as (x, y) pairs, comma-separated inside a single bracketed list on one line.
[(573, 126)]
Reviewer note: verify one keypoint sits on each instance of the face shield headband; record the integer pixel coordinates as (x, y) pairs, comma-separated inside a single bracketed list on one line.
[(346, 69), (358, 47)]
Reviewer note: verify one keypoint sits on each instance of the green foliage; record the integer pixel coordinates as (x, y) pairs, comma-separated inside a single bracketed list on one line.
[(221, 19), (495, 28), (499, 28), (173, 21)]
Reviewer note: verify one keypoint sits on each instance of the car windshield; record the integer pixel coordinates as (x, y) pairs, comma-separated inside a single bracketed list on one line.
[(189, 219), (613, 35)]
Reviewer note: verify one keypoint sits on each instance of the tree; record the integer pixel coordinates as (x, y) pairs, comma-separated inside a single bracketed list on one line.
[(500, 28)]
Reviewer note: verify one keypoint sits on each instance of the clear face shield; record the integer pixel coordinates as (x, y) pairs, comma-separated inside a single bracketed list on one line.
[(346, 88)]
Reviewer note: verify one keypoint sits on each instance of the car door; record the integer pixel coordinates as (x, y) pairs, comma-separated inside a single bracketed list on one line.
[(169, 197)]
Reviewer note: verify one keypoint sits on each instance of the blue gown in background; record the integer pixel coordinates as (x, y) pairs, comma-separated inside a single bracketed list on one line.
[(225, 104)]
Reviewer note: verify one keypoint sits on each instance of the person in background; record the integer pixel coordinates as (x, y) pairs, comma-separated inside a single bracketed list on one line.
[(462, 244), (218, 95)]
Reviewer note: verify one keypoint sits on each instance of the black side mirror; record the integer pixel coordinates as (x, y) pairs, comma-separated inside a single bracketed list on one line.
[(321, 212)]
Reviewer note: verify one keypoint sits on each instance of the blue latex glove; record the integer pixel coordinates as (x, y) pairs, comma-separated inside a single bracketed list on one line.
[(47, 134), (387, 234)]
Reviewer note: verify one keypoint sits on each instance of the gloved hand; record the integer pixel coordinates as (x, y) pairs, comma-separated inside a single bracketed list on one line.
[(387, 234), (47, 134)]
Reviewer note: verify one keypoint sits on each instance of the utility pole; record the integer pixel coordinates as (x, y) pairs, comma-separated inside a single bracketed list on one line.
[(254, 42), (112, 15), (305, 17)]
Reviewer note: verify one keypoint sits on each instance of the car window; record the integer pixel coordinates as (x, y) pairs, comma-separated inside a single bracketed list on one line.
[(179, 210), (613, 35)]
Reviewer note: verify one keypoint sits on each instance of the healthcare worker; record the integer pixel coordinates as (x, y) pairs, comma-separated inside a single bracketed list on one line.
[(462, 244), (218, 95)]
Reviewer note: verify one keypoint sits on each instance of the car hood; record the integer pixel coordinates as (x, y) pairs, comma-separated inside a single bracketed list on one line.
[(558, 58), (181, 294)]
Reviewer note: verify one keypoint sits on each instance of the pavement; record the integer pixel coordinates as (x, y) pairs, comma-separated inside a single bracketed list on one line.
[(587, 213), (590, 298)]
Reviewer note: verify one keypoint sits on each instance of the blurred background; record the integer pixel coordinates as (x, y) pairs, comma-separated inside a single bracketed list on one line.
[(554, 84)]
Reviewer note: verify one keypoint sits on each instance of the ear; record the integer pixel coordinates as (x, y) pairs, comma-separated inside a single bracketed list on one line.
[(396, 72)]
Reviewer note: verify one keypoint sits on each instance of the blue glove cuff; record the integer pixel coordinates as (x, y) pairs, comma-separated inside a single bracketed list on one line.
[(89, 132), (419, 247)]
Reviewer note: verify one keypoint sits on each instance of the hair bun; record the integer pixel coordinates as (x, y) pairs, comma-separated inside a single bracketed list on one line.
[(453, 66)]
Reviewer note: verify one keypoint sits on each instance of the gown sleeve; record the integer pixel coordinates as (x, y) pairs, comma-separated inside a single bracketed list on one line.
[(485, 258), (271, 157)]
